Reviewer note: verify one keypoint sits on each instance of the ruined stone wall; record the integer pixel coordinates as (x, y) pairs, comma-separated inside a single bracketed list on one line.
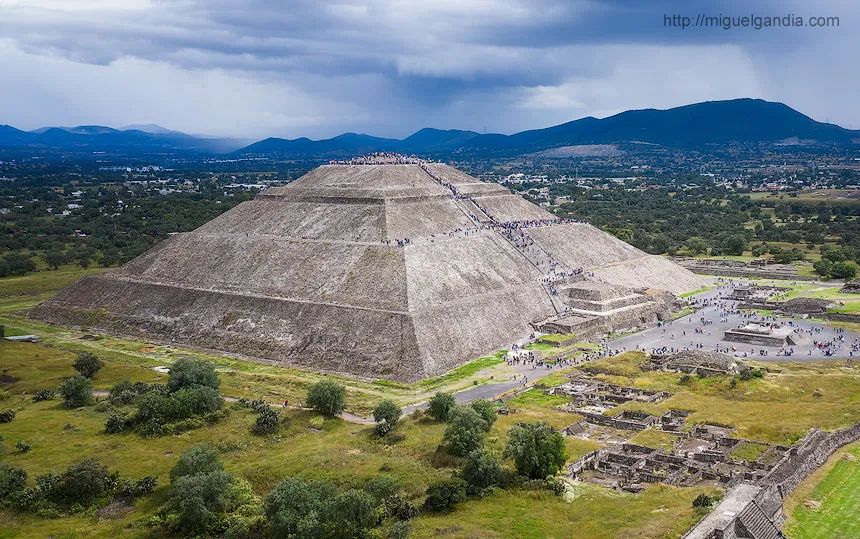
[(807, 456)]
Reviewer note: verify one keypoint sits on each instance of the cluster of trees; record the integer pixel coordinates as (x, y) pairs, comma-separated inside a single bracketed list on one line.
[(189, 400), (114, 224), (707, 219), (82, 486), (837, 263), (206, 500), (536, 449)]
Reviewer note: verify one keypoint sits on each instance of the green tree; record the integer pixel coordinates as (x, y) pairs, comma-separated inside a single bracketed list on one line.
[(13, 479), (76, 392), (83, 483), (443, 495), (55, 258), (487, 411), (268, 421), (199, 459), (190, 372), (386, 414), (351, 514), (734, 245), (696, 245), (87, 364), (296, 507), (327, 397), (441, 405), (537, 449), (466, 430), (481, 470), (843, 270), (381, 487), (200, 500)]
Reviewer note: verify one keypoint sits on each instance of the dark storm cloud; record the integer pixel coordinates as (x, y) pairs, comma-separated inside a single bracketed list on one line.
[(435, 63)]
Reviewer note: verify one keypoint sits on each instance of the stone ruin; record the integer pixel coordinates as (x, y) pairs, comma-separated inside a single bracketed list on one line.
[(756, 294), (764, 335), (591, 398), (386, 267), (700, 362), (753, 509), (801, 306), (737, 268), (851, 287), (701, 453)]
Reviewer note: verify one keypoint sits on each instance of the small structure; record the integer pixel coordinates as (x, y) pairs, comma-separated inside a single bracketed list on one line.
[(764, 335), (754, 293), (851, 287), (804, 306), (700, 362)]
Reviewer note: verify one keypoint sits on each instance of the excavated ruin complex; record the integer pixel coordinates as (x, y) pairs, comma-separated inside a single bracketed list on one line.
[(399, 269)]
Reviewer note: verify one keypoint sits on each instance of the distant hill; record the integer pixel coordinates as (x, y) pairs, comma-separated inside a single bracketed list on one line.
[(97, 138), (712, 122), (737, 121), (740, 121)]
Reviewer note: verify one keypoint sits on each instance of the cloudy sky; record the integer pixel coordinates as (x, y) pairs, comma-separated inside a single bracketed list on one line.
[(255, 68)]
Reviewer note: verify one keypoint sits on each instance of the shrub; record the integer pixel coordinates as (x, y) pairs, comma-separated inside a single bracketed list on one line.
[(296, 507), (351, 513), (443, 495), (199, 459), (400, 530), (115, 423), (76, 392), (141, 487), (703, 501), (13, 479), (82, 483), (466, 431), (190, 372), (198, 499), (88, 364), (441, 406), (23, 446), (382, 487), (749, 374), (6, 416), (538, 451), (122, 393), (386, 414), (487, 411), (44, 395), (481, 470), (267, 422), (327, 397)]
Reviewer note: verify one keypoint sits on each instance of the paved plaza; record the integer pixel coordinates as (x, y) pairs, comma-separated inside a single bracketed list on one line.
[(705, 328)]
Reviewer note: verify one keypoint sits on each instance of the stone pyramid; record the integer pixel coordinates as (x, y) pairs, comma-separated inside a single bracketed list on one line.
[(397, 269)]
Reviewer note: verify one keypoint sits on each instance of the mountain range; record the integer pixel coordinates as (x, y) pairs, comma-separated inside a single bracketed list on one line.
[(737, 121)]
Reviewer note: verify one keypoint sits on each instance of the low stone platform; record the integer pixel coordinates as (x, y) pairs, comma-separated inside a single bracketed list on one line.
[(762, 335)]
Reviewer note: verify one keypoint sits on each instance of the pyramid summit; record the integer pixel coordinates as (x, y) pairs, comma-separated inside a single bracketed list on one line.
[(384, 266)]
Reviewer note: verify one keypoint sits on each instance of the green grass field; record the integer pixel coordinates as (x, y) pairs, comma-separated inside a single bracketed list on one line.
[(778, 408), (827, 504)]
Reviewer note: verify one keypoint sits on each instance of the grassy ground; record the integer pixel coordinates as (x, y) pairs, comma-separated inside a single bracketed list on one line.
[(779, 408), (346, 453), (827, 504)]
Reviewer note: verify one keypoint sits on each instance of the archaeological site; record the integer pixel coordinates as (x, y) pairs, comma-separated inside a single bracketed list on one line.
[(394, 268)]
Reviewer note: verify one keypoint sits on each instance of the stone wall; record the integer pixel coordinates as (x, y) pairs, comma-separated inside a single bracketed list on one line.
[(807, 456)]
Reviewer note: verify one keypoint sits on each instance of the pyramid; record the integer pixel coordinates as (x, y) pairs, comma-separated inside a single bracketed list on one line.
[(389, 268)]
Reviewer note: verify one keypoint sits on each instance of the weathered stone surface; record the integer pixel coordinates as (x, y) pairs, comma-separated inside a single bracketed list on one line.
[(384, 270)]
